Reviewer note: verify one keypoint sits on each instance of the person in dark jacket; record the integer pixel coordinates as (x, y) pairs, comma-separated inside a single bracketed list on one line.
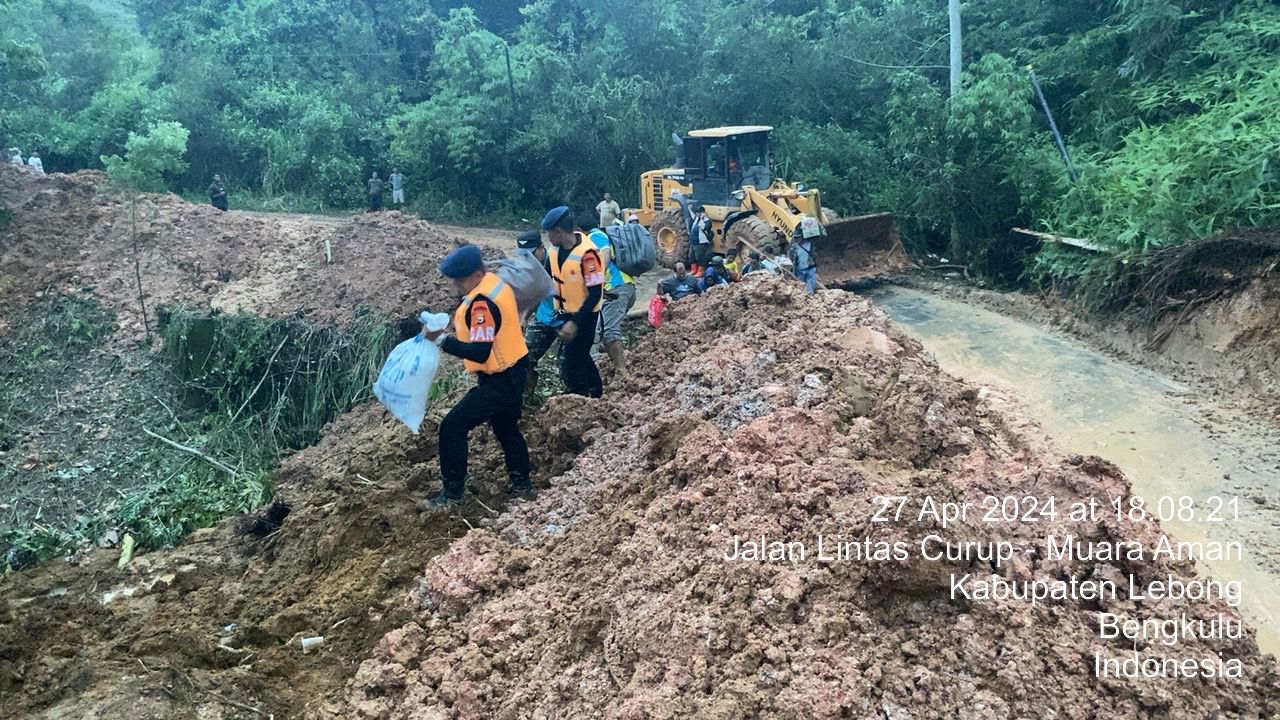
[(375, 192), (756, 264), (716, 274), (218, 193), (680, 285)]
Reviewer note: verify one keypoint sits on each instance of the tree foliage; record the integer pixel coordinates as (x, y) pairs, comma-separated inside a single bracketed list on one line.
[(150, 157), (1169, 106)]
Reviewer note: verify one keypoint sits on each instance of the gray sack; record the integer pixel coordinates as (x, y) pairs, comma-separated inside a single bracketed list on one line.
[(634, 251), (527, 278)]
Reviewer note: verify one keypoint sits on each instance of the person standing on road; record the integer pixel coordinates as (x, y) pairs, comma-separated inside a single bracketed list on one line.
[(397, 187), (15, 156), (619, 296), (35, 162), (608, 210), (487, 337), (375, 192), (579, 278), (699, 240), (218, 193), (801, 253), (544, 329)]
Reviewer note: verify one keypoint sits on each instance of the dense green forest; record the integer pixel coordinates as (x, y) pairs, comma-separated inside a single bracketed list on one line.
[(1170, 108)]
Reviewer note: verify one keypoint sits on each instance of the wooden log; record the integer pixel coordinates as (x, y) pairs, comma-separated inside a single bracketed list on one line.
[(1082, 243)]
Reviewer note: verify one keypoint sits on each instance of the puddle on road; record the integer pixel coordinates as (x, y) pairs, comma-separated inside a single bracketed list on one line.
[(1094, 405)]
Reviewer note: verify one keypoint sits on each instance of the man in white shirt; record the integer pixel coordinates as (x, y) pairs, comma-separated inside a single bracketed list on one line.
[(15, 156), (35, 162), (609, 210), (397, 187)]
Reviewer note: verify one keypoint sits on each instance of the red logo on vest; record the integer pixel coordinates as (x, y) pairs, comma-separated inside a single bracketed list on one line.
[(482, 325)]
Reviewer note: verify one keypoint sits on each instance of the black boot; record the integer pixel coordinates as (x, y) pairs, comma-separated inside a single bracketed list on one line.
[(449, 497), (443, 501), (521, 489)]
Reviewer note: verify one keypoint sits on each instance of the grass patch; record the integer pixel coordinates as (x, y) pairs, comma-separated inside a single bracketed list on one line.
[(238, 391)]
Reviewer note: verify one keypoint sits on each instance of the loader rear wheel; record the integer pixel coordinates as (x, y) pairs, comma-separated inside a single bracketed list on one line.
[(671, 236), (748, 234)]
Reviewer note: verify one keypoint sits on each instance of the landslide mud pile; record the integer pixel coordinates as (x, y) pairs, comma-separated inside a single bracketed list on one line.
[(757, 411), (75, 234)]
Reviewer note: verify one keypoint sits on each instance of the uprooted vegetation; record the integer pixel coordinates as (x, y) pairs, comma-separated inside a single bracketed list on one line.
[(100, 445)]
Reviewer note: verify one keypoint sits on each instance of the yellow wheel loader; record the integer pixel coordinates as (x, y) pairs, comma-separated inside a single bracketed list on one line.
[(728, 171)]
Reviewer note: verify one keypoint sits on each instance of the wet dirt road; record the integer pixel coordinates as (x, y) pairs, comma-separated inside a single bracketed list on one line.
[(1167, 442)]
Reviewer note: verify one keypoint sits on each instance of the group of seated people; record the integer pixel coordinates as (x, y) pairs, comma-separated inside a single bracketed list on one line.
[(719, 271)]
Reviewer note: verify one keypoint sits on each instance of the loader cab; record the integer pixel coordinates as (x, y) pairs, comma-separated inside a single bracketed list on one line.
[(718, 162)]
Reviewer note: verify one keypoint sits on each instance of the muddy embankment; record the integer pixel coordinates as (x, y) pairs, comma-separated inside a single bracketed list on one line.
[(754, 411)]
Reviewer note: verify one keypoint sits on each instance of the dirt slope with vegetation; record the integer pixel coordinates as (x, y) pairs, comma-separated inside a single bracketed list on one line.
[(262, 328), (753, 409), (72, 234)]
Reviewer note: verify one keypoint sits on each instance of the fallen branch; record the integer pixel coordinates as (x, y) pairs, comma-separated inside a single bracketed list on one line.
[(233, 703), (785, 268), (261, 380), (178, 446), (1082, 243), (481, 504)]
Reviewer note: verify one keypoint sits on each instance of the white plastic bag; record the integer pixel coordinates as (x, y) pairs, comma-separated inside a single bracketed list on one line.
[(404, 385)]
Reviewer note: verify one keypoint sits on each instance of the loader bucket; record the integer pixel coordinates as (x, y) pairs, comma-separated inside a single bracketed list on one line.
[(861, 247)]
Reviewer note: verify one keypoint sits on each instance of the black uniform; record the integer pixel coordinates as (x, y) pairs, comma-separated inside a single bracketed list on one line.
[(497, 399)]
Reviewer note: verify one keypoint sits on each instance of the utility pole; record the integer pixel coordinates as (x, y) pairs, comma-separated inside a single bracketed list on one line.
[(956, 45), (511, 114), (957, 251)]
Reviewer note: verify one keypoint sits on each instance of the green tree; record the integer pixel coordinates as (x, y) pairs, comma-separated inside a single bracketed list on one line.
[(150, 157)]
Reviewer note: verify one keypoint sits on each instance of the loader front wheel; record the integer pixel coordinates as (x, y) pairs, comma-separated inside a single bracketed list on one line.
[(749, 234), (671, 237)]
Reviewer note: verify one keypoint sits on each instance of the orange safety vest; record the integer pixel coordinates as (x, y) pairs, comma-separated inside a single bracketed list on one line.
[(571, 280), (508, 340)]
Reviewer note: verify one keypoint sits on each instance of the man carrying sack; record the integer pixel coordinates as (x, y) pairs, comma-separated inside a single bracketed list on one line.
[(579, 276), (488, 338)]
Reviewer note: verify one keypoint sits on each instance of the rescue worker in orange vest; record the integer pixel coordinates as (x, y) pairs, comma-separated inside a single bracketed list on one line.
[(579, 276), (488, 338)]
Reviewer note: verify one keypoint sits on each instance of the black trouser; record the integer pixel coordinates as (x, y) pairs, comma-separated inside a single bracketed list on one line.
[(577, 369), (375, 202), (496, 399), (220, 202)]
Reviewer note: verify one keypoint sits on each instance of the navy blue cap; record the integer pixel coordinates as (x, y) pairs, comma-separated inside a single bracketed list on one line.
[(462, 262), (553, 217), (529, 240)]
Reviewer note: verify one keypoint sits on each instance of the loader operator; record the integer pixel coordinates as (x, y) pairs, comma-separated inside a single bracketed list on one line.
[(579, 278), (488, 339)]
